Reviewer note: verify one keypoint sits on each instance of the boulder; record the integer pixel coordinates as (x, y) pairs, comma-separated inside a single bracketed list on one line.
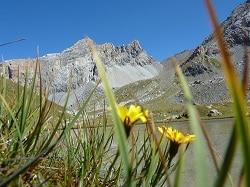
[(214, 113)]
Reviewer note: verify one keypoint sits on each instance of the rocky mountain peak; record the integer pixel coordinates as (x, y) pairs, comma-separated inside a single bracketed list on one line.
[(132, 54), (123, 64), (135, 45), (236, 24), (233, 29)]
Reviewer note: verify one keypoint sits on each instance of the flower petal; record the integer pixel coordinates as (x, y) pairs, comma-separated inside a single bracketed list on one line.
[(175, 136), (122, 112), (134, 113)]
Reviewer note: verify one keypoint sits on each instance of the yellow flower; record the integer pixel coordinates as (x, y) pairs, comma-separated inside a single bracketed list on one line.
[(176, 138), (131, 115)]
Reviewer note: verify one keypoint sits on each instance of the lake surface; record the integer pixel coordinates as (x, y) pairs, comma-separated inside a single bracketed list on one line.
[(219, 131)]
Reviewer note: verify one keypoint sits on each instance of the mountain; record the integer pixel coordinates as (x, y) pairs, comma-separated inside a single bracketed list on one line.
[(75, 67), (202, 66), (233, 29), (137, 78)]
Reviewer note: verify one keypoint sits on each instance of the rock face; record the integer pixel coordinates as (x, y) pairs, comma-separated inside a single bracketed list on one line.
[(205, 65), (236, 29), (75, 67), (124, 65)]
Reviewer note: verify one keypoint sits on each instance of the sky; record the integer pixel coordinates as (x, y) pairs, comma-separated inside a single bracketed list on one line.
[(162, 27)]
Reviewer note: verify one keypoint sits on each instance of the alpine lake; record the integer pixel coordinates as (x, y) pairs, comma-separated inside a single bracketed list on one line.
[(219, 132)]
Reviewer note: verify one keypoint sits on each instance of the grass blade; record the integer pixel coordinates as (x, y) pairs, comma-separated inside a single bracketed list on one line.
[(227, 161), (27, 165), (237, 94), (118, 126), (199, 144)]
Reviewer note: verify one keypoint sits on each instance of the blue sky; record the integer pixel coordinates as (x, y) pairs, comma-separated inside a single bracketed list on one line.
[(162, 27)]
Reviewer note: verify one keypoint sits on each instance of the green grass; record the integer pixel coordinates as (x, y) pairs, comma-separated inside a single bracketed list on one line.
[(213, 62), (43, 145)]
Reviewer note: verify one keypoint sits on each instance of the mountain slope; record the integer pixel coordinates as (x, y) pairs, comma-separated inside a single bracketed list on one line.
[(203, 67), (233, 28)]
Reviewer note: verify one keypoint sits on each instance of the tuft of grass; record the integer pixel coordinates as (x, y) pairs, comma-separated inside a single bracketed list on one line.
[(25, 122), (43, 145)]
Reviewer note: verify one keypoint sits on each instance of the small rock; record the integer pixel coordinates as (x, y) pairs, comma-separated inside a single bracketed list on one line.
[(214, 113)]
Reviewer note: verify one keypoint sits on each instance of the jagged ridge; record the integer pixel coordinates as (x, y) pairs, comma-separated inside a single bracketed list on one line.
[(74, 67)]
